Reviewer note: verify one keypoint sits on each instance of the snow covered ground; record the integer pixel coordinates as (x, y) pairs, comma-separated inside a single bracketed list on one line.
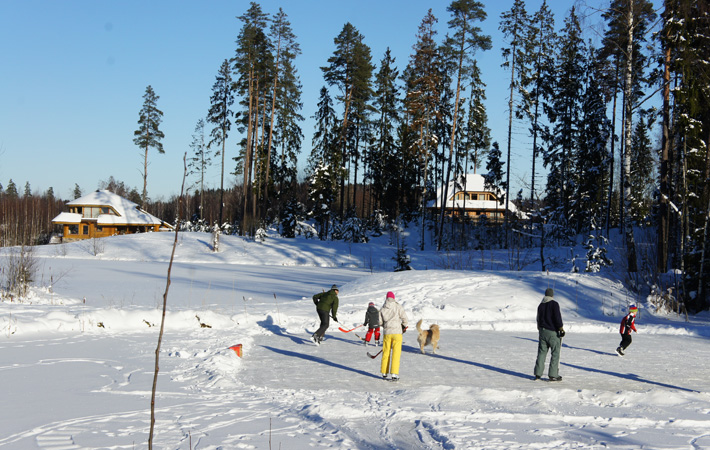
[(77, 356)]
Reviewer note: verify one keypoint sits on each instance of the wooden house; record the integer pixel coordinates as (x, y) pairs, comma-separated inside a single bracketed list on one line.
[(103, 213), (469, 196)]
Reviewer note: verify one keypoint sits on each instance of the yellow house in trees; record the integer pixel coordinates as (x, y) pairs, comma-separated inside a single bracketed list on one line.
[(103, 213), (469, 196)]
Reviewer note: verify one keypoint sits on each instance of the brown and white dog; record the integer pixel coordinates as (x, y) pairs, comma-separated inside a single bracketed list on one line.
[(428, 337)]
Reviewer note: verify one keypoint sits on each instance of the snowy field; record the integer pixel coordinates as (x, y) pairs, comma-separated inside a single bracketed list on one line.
[(77, 356)]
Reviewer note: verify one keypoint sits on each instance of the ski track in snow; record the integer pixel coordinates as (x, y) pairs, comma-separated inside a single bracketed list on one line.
[(440, 403)]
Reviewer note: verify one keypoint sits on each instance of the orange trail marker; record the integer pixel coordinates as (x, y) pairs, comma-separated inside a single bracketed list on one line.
[(237, 349)]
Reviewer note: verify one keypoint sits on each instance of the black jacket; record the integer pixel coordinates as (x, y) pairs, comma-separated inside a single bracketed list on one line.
[(548, 315), (372, 317)]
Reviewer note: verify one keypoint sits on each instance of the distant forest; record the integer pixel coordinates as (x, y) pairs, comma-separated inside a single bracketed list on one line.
[(386, 137)]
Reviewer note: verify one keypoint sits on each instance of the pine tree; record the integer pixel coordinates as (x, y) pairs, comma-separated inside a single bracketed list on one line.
[(28, 190), (285, 103), (382, 157), (321, 195), (200, 160), (591, 161), (350, 70), (77, 191), (477, 134), (148, 135), (423, 79), (291, 215), (685, 37), (536, 84), (564, 113), (325, 138), (466, 40), (628, 21), (515, 25), (494, 177), (253, 64), (219, 115), (11, 190), (642, 172)]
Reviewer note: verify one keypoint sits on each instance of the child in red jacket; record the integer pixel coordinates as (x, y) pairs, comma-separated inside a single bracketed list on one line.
[(627, 325)]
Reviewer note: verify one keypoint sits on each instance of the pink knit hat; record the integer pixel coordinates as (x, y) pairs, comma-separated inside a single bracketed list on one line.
[(390, 295)]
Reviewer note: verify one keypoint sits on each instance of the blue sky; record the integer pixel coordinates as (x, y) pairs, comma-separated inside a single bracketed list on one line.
[(74, 73)]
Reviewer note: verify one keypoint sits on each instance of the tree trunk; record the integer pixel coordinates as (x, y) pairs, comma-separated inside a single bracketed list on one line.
[(271, 126), (247, 152), (611, 153), (663, 213), (162, 320), (145, 179), (342, 142), (628, 99), (510, 135)]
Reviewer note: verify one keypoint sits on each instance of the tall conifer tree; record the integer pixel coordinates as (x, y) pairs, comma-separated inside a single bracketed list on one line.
[(148, 134)]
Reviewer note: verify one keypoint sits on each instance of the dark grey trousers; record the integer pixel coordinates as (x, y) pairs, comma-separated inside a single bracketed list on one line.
[(548, 340)]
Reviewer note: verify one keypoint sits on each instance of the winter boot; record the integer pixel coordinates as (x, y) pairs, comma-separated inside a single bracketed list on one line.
[(315, 339), (555, 378), (386, 377), (619, 351), (395, 377)]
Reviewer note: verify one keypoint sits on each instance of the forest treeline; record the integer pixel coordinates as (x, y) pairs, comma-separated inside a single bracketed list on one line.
[(388, 133)]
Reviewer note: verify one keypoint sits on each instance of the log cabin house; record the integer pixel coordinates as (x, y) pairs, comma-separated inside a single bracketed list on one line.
[(102, 214), (469, 196)]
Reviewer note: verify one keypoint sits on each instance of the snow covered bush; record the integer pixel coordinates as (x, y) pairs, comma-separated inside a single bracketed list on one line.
[(378, 223), (596, 253), (215, 238), (260, 235), (292, 214), (352, 230), (19, 269), (666, 301)]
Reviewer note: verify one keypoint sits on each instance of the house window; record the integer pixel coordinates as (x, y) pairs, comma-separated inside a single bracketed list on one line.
[(99, 228), (85, 229), (73, 229), (104, 210)]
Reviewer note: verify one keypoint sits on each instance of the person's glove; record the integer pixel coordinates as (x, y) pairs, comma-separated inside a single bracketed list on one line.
[(404, 329), (335, 318), (561, 332)]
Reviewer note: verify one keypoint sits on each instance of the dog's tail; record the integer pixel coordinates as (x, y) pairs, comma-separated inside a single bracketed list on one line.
[(419, 325)]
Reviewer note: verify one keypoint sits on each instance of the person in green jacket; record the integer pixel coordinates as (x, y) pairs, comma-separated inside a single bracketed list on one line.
[(325, 303)]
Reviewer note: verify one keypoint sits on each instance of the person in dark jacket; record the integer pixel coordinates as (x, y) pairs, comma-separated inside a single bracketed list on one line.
[(372, 321), (628, 324), (325, 303), (549, 326)]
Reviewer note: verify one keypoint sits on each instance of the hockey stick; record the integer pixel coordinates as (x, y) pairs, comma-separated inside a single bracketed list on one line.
[(348, 331), (374, 356)]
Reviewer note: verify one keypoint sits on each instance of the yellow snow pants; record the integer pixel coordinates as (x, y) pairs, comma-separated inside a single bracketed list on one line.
[(390, 363)]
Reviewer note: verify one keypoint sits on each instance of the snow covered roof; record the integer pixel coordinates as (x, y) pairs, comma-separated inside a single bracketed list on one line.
[(471, 182), (122, 211), (67, 217)]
